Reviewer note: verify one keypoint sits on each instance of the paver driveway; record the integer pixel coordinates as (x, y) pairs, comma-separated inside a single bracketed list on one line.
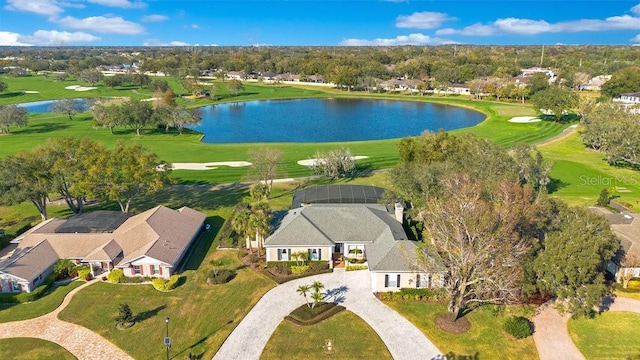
[(353, 291)]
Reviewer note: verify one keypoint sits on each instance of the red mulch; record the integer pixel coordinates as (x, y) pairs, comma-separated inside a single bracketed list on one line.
[(444, 322)]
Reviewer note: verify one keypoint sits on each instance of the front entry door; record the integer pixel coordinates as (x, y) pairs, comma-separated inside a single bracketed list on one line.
[(338, 247)]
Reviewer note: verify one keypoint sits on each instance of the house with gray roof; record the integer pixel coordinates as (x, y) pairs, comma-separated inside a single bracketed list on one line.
[(152, 243), (329, 232)]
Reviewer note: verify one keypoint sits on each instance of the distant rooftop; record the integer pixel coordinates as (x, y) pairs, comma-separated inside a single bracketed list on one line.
[(100, 221), (337, 194)]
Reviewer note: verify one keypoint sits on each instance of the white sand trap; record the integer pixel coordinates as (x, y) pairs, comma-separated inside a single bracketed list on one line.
[(72, 87), (151, 99), (209, 165), (85, 88), (524, 119), (311, 162), (30, 92), (204, 83)]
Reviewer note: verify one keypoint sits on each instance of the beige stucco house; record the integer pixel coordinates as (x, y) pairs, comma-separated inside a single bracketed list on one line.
[(328, 231), (152, 243)]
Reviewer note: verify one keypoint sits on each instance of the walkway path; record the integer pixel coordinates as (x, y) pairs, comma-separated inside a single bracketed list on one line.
[(353, 291), (80, 341), (552, 337)]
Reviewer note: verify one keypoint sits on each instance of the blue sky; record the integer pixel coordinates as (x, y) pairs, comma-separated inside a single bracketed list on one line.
[(308, 22)]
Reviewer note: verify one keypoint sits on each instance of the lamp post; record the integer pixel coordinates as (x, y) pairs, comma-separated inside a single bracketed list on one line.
[(167, 339)]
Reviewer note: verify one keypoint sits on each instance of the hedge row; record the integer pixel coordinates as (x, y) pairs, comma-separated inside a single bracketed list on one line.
[(424, 294)]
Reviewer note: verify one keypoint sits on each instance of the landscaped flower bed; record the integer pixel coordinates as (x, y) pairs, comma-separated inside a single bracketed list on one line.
[(304, 315)]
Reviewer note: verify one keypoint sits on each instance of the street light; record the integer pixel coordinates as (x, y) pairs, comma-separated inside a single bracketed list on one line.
[(167, 339)]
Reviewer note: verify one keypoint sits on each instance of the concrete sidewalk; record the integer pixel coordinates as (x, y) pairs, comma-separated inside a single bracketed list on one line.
[(350, 289)]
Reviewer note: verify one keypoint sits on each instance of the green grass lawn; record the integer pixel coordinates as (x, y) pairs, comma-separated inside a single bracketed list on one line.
[(610, 335), (485, 339), (46, 304), (201, 316), (32, 349), (579, 175), (351, 337), (188, 148), (628, 292)]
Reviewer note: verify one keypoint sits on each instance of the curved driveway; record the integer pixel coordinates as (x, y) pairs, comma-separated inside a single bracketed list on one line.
[(350, 289), (80, 341), (552, 336)]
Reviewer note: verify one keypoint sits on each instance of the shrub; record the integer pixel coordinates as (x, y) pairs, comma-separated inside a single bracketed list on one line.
[(283, 269), (222, 277), (318, 266), (518, 327), (604, 198), (115, 276), (634, 284), (125, 316), (173, 282), (297, 270), (356, 267), (62, 268), (84, 272)]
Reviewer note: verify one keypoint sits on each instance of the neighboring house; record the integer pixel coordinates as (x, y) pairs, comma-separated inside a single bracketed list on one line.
[(629, 98), (236, 75), (626, 226), (330, 231), (595, 84), (151, 243)]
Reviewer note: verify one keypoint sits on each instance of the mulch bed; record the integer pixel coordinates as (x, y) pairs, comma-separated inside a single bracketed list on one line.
[(444, 322)]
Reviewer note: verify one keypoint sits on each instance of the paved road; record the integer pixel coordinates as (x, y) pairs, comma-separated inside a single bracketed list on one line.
[(80, 341), (353, 291), (552, 337)]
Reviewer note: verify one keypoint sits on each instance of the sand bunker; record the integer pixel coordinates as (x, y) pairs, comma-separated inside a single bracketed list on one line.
[(311, 162), (30, 92), (209, 165), (151, 99), (80, 88), (524, 119)]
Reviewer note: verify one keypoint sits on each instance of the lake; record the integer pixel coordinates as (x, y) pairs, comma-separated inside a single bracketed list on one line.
[(39, 107), (328, 120)]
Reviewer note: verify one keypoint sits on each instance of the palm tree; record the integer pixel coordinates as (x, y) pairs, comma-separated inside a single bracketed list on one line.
[(260, 221), (240, 223), (304, 290), (317, 296)]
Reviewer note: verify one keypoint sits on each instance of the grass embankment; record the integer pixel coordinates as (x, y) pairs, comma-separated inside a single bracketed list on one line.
[(579, 175), (32, 349), (485, 339), (46, 304), (350, 337), (188, 148), (610, 335)]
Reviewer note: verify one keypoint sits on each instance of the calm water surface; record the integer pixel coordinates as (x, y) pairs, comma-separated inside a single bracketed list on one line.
[(39, 107), (328, 120)]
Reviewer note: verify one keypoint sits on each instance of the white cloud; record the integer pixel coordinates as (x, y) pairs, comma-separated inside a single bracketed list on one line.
[(102, 24), (422, 20), (56, 38), (411, 39), (125, 4), (40, 7), (635, 39), (158, 42), (11, 39), (516, 26), (154, 18)]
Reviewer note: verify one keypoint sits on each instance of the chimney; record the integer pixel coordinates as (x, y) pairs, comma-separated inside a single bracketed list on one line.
[(399, 212)]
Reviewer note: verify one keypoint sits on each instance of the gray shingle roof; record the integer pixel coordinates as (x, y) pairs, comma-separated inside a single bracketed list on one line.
[(32, 261)]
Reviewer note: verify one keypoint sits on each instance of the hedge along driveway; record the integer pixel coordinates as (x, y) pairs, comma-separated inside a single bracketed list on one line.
[(353, 291)]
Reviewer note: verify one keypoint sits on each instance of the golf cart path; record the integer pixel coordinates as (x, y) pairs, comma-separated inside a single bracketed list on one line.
[(79, 341), (352, 290), (552, 336)]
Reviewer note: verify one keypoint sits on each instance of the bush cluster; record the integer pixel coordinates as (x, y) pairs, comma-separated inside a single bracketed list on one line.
[(518, 327), (297, 270), (115, 276), (223, 276), (634, 284), (84, 272), (161, 284), (421, 294)]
